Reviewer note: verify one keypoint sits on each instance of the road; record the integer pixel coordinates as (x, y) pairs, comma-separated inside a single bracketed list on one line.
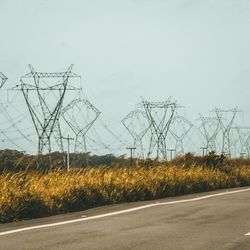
[(212, 220)]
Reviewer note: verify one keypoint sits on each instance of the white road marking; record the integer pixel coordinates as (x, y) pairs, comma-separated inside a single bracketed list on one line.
[(248, 234), (122, 212)]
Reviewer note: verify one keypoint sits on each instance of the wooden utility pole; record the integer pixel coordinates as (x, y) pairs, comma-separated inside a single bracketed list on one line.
[(68, 139), (203, 150), (171, 153), (131, 155)]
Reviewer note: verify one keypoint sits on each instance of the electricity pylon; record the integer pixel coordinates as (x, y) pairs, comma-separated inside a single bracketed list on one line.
[(3, 79), (179, 128), (209, 129), (137, 125), (44, 94), (226, 126), (244, 138), (159, 115), (80, 115)]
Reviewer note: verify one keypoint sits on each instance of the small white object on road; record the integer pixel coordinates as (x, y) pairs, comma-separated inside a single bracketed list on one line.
[(248, 234)]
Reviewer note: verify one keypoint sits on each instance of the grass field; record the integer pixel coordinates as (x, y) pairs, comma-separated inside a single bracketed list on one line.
[(26, 195)]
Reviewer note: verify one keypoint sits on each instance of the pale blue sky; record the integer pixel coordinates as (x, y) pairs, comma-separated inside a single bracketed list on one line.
[(194, 50)]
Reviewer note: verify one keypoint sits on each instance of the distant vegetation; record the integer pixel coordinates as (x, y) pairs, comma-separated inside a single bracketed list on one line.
[(30, 193), (16, 161)]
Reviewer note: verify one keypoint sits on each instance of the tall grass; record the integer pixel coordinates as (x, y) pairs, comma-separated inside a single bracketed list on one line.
[(32, 194)]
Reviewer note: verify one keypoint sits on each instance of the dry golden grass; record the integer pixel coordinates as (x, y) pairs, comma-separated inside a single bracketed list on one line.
[(32, 194)]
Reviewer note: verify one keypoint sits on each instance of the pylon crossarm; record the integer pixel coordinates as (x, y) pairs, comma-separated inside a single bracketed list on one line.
[(33, 73), (50, 75), (80, 101)]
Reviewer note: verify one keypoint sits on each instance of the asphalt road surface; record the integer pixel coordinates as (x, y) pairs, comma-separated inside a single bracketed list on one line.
[(213, 220)]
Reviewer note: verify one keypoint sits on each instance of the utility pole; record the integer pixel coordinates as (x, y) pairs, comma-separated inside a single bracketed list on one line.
[(68, 139), (171, 153), (203, 150), (131, 155), (242, 154)]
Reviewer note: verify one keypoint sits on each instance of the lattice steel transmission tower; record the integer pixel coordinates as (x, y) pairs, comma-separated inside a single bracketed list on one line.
[(180, 126), (159, 115), (209, 128), (80, 115), (226, 125), (244, 138), (137, 125), (44, 94), (3, 79)]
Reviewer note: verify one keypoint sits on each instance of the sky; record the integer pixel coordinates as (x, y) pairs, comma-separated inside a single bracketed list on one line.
[(196, 51)]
